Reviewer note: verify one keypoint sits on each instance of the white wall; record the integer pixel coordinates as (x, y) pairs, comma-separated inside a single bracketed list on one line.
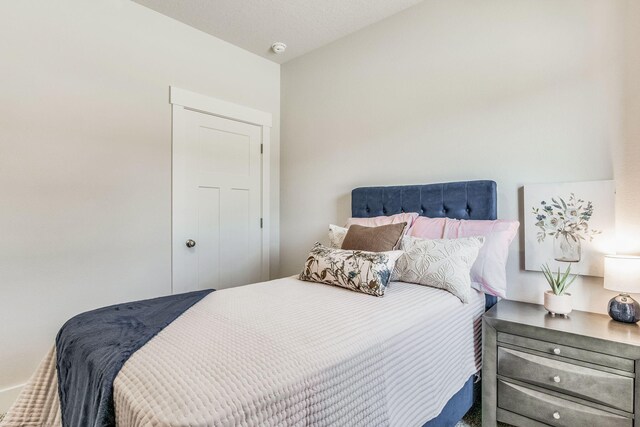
[(85, 157), (519, 92), (628, 173)]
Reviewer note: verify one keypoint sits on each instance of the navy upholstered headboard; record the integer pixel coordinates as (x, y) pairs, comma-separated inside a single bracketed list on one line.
[(459, 200)]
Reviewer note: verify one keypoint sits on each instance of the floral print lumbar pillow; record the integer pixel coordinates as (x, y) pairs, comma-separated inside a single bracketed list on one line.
[(444, 264), (360, 271)]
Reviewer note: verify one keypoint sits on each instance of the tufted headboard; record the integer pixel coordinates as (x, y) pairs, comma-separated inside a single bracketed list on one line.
[(458, 200)]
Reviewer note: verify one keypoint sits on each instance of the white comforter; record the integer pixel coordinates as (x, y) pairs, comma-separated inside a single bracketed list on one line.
[(287, 352)]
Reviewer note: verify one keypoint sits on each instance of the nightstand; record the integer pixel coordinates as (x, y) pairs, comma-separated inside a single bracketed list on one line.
[(542, 370)]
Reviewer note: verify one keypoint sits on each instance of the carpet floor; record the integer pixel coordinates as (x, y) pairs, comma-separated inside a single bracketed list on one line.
[(474, 418)]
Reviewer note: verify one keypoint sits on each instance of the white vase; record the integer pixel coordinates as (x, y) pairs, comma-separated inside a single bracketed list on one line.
[(557, 304), (567, 248)]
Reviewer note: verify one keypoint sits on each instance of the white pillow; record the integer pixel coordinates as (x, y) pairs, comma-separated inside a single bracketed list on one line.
[(444, 264), (336, 235)]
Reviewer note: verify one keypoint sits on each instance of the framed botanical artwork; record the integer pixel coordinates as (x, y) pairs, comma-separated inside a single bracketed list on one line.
[(569, 223)]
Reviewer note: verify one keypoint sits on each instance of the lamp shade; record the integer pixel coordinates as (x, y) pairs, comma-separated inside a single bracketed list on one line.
[(622, 273)]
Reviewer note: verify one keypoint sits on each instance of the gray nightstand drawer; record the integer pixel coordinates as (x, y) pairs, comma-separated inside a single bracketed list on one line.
[(591, 384), (553, 410), (566, 351)]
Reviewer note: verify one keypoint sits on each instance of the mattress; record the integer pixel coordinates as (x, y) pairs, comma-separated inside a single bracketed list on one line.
[(287, 352)]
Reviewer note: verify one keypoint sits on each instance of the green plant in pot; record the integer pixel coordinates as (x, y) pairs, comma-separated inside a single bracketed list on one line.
[(557, 300)]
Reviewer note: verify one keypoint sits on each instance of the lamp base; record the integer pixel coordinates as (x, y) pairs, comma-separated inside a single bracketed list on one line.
[(623, 308)]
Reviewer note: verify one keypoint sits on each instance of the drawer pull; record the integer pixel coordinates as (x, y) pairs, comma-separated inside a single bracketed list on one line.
[(556, 415), (556, 351), (556, 379)]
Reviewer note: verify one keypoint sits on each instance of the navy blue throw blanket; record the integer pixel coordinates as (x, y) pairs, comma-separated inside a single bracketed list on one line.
[(93, 346)]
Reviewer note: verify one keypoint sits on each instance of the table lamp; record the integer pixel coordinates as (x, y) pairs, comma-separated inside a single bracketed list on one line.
[(622, 274)]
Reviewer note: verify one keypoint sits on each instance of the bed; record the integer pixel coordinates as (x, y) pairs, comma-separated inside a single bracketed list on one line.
[(476, 200), (287, 352)]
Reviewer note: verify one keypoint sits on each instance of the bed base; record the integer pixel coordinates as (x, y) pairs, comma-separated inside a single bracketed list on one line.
[(458, 405)]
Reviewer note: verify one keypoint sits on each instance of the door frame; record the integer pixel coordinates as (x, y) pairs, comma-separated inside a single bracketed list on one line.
[(182, 99)]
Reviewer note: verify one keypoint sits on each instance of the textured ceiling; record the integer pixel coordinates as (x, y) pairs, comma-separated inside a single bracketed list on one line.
[(254, 25)]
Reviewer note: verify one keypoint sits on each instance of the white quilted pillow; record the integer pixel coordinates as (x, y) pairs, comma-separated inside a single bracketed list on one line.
[(444, 264), (336, 235)]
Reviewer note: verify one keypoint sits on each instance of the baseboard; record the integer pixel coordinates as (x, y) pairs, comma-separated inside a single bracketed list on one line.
[(8, 396)]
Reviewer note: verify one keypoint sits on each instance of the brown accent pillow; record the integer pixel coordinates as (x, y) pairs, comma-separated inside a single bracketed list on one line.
[(373, 239)]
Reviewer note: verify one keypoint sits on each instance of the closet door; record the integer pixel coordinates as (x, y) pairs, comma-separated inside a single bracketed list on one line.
[(217, 198)]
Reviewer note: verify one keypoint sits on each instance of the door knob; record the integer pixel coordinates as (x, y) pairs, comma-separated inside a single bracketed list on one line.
[(191, 243)]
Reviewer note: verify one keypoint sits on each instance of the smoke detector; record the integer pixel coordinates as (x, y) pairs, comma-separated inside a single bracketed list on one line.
[(278, 47)]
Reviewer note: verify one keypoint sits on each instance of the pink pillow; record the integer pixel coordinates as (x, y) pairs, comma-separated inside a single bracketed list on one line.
[(489, 270), (377, 221), (427, 228)]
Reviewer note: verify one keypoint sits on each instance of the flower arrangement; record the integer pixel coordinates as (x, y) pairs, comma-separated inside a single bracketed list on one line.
[(567, 218)]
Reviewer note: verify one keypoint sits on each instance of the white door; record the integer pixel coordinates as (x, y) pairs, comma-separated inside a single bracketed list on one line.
[(217, 197)]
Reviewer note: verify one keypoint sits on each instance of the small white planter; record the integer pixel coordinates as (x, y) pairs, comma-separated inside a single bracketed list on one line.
[(557, 304)]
